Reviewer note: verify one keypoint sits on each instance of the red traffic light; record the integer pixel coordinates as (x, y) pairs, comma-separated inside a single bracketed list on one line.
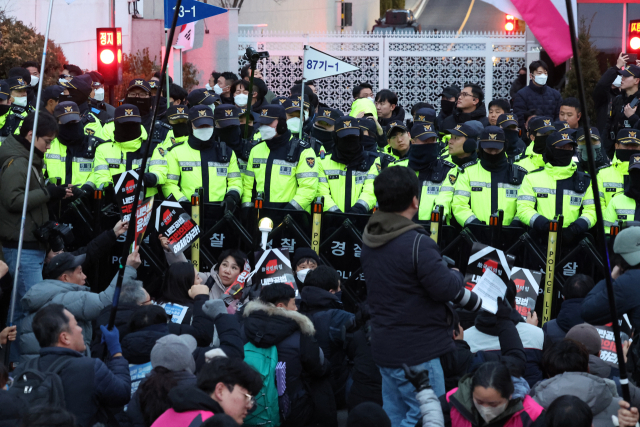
[(109, 54), (509, 23), (634, 43), (633, 37)]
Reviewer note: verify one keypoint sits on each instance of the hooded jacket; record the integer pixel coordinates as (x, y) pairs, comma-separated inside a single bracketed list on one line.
[(568, 317), (544, 99), (458, 117), (603, 97), (14, 160), (595, 307), (123, 315), (78, 300), (599, 393), (395, 285), (190, 407)]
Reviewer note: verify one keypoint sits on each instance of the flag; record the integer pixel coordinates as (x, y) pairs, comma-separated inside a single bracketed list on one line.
[(318, 64), (186, 36)]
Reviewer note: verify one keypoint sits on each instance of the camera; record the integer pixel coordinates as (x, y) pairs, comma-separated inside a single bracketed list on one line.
[(55, 235), (253, 56)]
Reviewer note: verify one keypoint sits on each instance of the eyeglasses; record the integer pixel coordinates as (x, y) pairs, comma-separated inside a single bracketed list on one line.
[(138, 95), (250, 399), (65, 76), (465, 94)]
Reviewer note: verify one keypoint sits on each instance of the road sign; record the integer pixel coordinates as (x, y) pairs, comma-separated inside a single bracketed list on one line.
[(318, 64), (190, 11)]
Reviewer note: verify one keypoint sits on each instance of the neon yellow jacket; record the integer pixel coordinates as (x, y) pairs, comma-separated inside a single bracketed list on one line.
[(332, 184)]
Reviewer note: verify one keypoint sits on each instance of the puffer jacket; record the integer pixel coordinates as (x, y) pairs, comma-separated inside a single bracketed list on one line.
[(14, 160), (595, 307), (458, 117), (568, 317), (544, 99), (190, 407), (78, 300), (217, 288), (599, 393)]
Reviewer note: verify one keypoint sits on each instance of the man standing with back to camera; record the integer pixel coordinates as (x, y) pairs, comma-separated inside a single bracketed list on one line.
[(408, 289)]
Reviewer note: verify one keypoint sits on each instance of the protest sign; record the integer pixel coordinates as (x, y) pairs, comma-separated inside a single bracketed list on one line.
[(273, 266), (527, 284), (483, 258), (176, 225), (138, 373), (176, 311), (125, 186), (143, 216)]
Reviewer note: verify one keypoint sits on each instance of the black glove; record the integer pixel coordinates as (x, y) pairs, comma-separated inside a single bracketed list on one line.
[(57, 192), (290, 207), (78, 192), (574, 230), (476, 221), (229, 204), (87, 189), (150, 179), (541, 224), (504, 309), (418, 378), (357, 209)]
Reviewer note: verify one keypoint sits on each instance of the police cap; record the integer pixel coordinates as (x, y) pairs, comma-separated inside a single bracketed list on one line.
[(347, 125), (328, 115), (141, 83), (561, 126), (5, 92), (200, 97), (16, 83), (201, 115), (595, 134), (491, 137), (226, 115), (423, 131), (630, 70), (425, 115), (66, 112), (396, 124), (560, 139), (540, 124), (178, 112), (505, 120), (269, 113), (628, 136), (127, 113)]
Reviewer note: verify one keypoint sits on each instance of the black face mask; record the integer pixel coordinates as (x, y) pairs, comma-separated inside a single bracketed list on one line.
[(65, 98), (143, 104), (369, 143), (447, 106), (491, 161), (540, 144), (421, 155), (4, 109), (522, 78), (230, 134), (321, 134), (71, 133), (181, 129), (124, 132), (78, 97), (558, 157), (348, 147), (511, 136), (625, 155)]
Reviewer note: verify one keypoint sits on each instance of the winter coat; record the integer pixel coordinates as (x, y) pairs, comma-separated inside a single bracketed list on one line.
[(459, 411), (397, 114), (516, 85), (420, 292), (458, 117), (568, 317), (618, 120), (90, 385), (544, 99), (456, 364), (293, 335), (14, 160), (95, 251), (595, 307), (12, 409), (217, 288), (78, 300), (603, 97), (599, 393), (137, 346), (190, 407), (367, 381), (123, 315)]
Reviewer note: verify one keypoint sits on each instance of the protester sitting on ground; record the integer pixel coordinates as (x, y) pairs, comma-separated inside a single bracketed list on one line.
[(487, 396), (65, 285), (224, 385), (573, 293), (147, 325), (566, 365), (304, 260), (568, 411)]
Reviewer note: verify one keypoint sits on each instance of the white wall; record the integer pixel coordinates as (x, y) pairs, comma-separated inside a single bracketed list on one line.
[(72, 26)]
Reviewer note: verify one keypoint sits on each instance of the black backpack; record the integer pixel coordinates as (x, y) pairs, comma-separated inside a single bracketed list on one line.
[(40, 387)]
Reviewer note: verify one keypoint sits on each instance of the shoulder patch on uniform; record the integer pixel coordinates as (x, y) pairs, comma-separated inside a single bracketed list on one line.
[(448, 163), (161, 151), (471, 163), (379, 167), (452, 178), (89, 131), (175, 145), (311, 161), (304, 144), (521, 168)]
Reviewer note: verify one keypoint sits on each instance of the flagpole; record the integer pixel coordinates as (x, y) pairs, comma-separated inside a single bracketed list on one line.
[(30, 165), (304, 60), (132, 231), (624, 381), (166, 53)]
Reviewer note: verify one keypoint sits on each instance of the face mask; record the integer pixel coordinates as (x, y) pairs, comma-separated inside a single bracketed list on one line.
[(181, 129), (143, 104), (208, 86), (447, 106), (99, 94), (266, 132), (203, 134), (372, 99), (71, 133), (558, 157), (64, 81), (491, 161), (488, 413), (294, 124), (541, 79), (302, 274), (420, 155), (618, 81), (625, 155), (369, 143), (213, 107), (229, 134), (34, 81), (124, 132), (540, 144), (348, 147), (583, 152), (4, 109), (241, 100), (511, 136), (321, 134), (217, 89), (20, 101)]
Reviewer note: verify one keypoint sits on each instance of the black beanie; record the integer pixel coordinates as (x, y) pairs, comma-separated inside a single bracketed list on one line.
[(301, 253), (368, 414)]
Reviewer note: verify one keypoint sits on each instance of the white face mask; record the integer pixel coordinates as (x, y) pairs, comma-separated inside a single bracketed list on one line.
[(618, 81), (541, 79), (372, 99), (217, 89), (20, 101), (63, 81), (266, 132), (99, 94), (34, 81), (294, 124), (213, 107), (208, 86), (302, 274), (203, 134), (241, 100), (488, 413)]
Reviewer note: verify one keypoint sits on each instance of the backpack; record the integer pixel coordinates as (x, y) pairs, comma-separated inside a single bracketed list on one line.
[(265, 361), (40, 387)]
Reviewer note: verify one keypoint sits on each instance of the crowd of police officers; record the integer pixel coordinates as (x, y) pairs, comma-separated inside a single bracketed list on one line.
[(470, 168)]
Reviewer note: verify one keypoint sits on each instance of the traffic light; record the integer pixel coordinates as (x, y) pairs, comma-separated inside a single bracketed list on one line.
[(109, 54), (633, 37), (510, 24)]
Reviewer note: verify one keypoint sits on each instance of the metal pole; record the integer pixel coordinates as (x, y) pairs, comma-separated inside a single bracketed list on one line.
[(30, 165), (550, 270), (167, 49), (624, 381), (131, 233), (252, 67), (624, 27), (304, 60)]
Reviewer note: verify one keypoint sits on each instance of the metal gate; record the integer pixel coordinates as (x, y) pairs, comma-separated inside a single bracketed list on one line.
[(416, 67)]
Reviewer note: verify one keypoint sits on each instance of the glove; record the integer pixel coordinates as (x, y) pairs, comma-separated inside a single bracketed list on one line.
[(87, 189), (574, 230), (78, 192), (57, 192), (476, 221), (214, 308), (418, 378), (541, 224), (150, 179), (290, 207), (229, 204), (504, 309), (112, 338), (357, 209)]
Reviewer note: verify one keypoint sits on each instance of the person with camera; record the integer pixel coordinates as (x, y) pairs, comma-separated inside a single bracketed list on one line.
[(623, 108), (14, 161)]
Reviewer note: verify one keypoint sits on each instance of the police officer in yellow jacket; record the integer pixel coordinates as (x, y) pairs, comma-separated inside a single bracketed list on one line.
[(345, 177), (488, 184), (70, 158), (539, 129), (178, 118), (463, 142), (13, 92), (229, 131), (538, 198), (623, 206), (399, 140), (127, 150), (204, 161), (613, 179), (437, 176), (78, 92), (282, 167)]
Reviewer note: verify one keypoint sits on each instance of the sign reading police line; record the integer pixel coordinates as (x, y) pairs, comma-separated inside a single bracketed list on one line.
[(190, 11), (125, 189), (175, 224), (318, 64)]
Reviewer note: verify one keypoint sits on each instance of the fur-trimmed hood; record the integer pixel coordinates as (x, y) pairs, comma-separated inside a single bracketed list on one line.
[(266, 325)]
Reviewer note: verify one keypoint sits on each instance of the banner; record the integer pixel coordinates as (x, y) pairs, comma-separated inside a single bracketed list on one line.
[(125, 188), (143, 216), (138, 373), (318, 64), (273, 266), (527, 284), (176, 311), (175, 224), (190, 11), (484, 257)]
